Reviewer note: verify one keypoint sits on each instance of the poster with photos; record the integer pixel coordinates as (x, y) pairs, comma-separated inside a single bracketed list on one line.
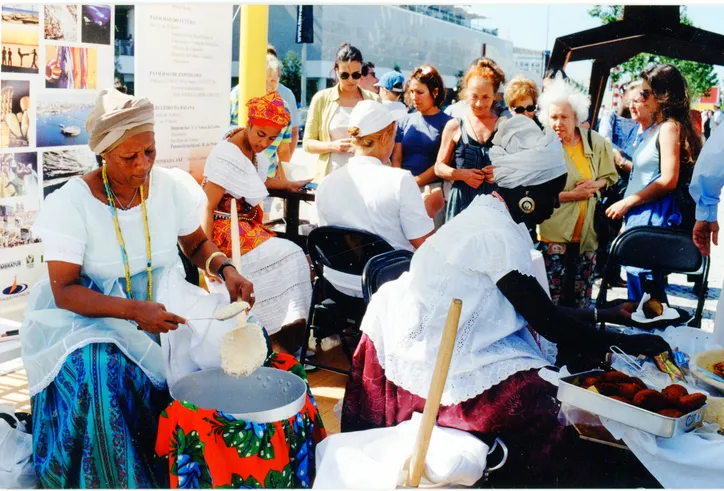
[(55, 58)]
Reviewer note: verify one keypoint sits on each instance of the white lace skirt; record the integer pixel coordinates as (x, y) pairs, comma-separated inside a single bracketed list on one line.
[(280, 273)]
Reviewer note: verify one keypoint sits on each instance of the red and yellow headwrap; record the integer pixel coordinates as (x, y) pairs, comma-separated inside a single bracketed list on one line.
[(268, 110)]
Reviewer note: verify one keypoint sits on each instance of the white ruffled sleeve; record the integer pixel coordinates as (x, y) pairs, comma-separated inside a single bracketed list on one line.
[(229, 168), (190, 199), (61, 224)]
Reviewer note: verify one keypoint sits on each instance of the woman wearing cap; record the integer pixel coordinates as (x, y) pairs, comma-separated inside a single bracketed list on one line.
[(237, 169), (392, 86), (90, 337), (568, 239), (368, 195), (483, 257), (325, 132), (419, 134), (463, 158)]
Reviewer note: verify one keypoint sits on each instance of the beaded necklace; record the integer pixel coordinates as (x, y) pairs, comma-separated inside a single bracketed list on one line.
[(122, 243)]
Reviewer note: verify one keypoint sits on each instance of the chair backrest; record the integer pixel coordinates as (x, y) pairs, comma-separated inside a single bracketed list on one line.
[(657, 248), (343, 249), (383, 268)]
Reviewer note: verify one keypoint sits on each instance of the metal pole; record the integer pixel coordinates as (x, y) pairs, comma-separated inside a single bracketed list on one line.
[(304, 75), (253, 33)]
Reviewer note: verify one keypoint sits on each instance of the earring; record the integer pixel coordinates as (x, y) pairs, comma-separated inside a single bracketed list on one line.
[(527, 204), (103, 161)]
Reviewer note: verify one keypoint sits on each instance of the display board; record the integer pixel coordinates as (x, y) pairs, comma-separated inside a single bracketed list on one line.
[(55, 59), (186, 76)]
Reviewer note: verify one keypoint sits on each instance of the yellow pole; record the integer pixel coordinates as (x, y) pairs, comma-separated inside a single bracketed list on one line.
[(253, 32)]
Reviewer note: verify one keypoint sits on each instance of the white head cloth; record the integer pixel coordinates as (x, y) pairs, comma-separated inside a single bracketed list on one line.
[(116, 113), (523, 155), (370, 117)]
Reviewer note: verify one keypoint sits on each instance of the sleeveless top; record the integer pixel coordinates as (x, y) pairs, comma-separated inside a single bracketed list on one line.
[(645, 161), (469, 154)]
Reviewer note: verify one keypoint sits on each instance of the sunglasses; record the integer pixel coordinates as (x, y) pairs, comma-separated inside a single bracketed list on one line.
[(521, 109), (645, 94), (354, 75)]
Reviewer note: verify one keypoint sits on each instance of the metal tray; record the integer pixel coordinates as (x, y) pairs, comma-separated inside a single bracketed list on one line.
[(627, 414)]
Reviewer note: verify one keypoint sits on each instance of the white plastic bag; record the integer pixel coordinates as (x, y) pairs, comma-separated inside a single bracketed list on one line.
[(16, 457)]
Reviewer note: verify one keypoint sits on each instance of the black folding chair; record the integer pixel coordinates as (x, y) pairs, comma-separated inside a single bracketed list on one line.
[(383, 268), (661, 250), (333, 312)]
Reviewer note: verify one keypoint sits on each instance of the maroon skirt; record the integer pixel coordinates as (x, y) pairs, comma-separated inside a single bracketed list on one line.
[(522, 410)]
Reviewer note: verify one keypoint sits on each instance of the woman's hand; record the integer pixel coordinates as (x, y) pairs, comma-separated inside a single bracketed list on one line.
[(152, 317), (239, 287), (643, 344), (473, 177), (343, 145), (620, 314), (618, 210), (581, 193), (489, 172), (296, 186)]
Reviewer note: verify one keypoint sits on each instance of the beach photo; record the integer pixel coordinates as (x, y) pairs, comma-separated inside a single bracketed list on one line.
[(14, 113), (70, 68), (19, 13), (19, 176), (96, 24), (62, 116), (61, 165), (61, 23), (19, 49)]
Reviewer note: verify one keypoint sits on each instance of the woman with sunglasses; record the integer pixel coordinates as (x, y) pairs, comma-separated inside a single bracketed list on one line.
[(325, 133), (419, 135), (568, 239), (663, 163), (463, 158), (521, 97)]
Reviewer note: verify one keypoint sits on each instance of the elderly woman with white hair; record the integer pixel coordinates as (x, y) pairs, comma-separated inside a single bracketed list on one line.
[(94, 340), (508, 325), (568, 239)]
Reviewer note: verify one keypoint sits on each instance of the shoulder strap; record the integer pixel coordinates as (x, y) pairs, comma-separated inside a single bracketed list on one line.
[(463, 132), (590, 140)]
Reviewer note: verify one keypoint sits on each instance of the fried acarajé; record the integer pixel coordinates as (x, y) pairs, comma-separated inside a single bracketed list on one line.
[(621, 399), (650, 399), (589, 381), (615, 377), (671, 413), (628, 390), (674, 392), (692, 402), (718, 368), (607, 388), (639, 382)]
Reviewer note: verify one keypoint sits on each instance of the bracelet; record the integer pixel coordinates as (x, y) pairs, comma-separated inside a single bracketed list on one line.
[(220, 271), (211, 258)]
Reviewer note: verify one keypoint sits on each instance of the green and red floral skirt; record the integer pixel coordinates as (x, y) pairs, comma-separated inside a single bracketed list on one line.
[(207, 448)]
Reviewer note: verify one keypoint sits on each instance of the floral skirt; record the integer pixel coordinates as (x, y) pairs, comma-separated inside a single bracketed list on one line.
[(207, 448), (522, 411), (570, 274), (94, 425)]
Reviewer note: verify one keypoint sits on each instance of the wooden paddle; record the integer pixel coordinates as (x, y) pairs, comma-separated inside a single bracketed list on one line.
[(432, 404)]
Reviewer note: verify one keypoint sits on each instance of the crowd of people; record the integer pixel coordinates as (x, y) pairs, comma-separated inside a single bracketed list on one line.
[(472, 190)]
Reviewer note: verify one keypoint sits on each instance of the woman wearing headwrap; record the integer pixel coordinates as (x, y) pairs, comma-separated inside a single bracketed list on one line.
[(483, 256), (237, 168), (94, 327)]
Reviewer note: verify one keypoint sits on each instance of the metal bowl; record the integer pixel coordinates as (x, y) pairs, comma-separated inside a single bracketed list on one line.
[(265, 396)]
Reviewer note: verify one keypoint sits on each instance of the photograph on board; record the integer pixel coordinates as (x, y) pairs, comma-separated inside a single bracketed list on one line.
[(61, 117), (61, 165), (14, 113), (20, 13), (19, 175), (61, 23), (96, 24), (70, 68), (19, 49), (16, 218)]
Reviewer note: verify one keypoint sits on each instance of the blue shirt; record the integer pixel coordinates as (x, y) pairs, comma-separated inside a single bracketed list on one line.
[(708, 178), (619, 130), (420, 137)]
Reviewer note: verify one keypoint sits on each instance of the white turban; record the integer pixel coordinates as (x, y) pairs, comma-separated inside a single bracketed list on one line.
[(115, 118), (523, 155), (370, 117)]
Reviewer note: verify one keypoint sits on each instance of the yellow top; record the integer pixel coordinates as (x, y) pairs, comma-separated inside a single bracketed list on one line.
[(584, 168)]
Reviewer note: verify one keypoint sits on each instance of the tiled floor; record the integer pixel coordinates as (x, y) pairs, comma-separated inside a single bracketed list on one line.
[(327, 387)]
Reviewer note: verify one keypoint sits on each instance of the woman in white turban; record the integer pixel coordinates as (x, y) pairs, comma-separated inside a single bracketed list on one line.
[(94, 327), (507, 328)]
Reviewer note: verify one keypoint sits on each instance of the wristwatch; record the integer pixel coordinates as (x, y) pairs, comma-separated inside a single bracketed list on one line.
[(220, 271)]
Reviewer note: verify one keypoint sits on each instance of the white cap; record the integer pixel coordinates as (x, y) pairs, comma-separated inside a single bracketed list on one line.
[(370, 117)]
